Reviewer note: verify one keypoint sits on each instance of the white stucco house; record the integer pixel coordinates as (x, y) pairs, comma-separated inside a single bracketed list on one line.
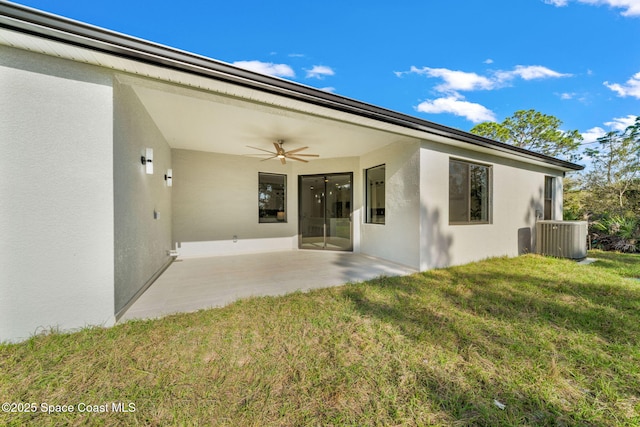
[(118, 154)]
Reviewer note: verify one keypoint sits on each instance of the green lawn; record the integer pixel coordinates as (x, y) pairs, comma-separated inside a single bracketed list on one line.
[(556, 342)]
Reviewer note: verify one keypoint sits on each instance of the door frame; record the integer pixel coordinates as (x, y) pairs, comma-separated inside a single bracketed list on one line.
[(325, 175)]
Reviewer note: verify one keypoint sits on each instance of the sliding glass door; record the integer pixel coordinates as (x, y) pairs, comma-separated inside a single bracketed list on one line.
[(325, 211)]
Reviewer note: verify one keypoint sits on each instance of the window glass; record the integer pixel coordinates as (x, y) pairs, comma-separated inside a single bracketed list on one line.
[(458, 192), (548, 197), (469, 192), (375, 188), (272, 197), (479, 195)]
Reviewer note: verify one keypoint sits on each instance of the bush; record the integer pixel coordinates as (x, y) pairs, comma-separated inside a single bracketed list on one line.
[(616, 233)]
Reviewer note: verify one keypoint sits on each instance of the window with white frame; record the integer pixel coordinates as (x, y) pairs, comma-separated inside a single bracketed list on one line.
[(375, 194), (469, 193)]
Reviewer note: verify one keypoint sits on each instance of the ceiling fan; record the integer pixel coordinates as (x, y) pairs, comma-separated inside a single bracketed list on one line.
[(281, 154)]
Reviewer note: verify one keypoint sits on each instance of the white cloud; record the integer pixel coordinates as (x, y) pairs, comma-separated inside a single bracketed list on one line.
[(567, 95), (319, 72), (280, 70), (621, 123), (533, 72), (488, 61), (630, 7), (296, 55), (329, 89), (458, 106), (630, 88), (456, 80), (591, 136)]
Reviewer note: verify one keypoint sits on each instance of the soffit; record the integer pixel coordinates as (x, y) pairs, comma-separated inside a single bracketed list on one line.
[(206, 121)]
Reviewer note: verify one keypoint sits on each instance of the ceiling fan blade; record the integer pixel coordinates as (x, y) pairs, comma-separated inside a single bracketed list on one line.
[(261, 149), (297, 158), (268, 158), (296, 150), (278, 147), (282, 160), (307, 155)]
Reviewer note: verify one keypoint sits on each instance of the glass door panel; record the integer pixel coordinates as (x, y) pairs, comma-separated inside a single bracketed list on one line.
[(312, 204), (338, 212), (325, 211)]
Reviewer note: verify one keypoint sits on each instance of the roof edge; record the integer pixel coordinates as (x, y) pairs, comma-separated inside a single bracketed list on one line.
[(35, 22)]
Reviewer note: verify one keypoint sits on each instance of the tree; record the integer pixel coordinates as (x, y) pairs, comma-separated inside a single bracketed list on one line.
[(614, 176), (533, 131), (576, 198)]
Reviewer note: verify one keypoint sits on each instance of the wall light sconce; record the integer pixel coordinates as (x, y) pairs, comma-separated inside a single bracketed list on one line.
[(169, 177), (147, 160)]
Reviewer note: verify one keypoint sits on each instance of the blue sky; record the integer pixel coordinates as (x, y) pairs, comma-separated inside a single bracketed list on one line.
[(454, 62)]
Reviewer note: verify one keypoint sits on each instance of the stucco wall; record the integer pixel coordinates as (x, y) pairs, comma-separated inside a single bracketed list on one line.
[(398, 239), (142, 202), (56, 192), (215, 197), (518, 192)]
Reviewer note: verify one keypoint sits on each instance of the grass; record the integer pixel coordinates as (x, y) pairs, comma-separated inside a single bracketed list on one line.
[(626, 265), (557, 343)]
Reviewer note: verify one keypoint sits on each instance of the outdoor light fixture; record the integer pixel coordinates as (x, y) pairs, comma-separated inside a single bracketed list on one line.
[(147, 160), (169, 177)]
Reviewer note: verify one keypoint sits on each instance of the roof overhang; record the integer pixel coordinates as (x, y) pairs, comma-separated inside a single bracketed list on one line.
[(168, 81)]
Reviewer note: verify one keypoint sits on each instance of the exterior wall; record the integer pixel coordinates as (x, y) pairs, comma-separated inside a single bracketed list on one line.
[(84, 228), (517, 194), (56, 187), (396, 240), (142, 202), (216, 198)]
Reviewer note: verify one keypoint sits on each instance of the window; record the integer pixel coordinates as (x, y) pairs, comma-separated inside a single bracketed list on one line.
[(548, 197), (469, 193), (272, 197), (375, 189)]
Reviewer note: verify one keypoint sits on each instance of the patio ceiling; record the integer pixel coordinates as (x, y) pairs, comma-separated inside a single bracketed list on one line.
[(205, 121)]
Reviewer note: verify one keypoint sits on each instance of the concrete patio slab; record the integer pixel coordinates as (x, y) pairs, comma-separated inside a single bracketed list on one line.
[(196, 283)]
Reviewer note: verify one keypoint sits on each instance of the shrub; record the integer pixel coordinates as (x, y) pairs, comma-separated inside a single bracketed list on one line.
[(616, 233)]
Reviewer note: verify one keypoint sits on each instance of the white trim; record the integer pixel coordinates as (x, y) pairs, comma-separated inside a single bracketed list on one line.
[(241, 246)]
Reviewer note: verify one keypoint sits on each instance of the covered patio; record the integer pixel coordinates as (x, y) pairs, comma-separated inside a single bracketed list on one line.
[(198, 283)]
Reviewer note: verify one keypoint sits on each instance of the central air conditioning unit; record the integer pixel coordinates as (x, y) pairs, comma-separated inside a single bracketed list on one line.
[(562, 239)]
